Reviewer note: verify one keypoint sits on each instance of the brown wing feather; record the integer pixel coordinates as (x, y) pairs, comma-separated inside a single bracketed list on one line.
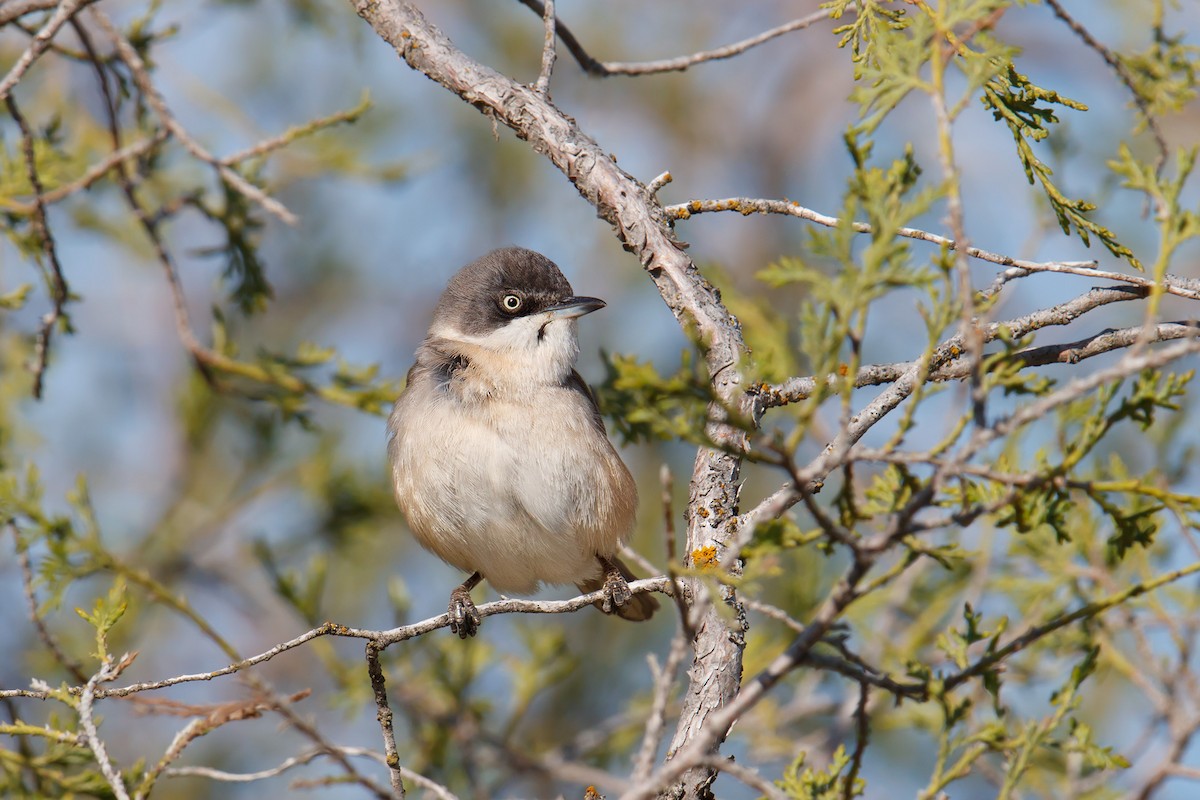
[(575, 381)]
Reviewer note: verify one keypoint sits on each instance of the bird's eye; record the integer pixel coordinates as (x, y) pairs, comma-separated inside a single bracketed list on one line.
[(511, 303)]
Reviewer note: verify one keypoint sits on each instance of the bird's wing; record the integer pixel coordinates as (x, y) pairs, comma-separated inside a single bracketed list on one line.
[(576, 383)]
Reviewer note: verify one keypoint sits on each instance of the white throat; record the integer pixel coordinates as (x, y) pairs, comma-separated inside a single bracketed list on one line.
[(525, 353)]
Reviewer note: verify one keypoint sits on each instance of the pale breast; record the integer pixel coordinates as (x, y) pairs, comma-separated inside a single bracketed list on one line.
[(523, 492)]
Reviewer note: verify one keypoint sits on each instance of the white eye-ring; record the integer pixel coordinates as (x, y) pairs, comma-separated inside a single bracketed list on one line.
[(511, 303)]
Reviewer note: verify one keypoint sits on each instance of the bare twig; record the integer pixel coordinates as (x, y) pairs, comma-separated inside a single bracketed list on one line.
[(664, 679), (1123, 74), (56, 283), (310, 731), (542, 85), (603, 69), (141, 77), (108, 672), (384, 715), (94, 173), (656, 185), (862, 727), (67, 663), (796, 389), (1032, 634), (666, 481), (1182, 287), (788, 495), (213, 718), (383, 638), (800, 649), (65, 11), (1171, 284), (747, 776), (15, 9), (307, 757), (267, 146)]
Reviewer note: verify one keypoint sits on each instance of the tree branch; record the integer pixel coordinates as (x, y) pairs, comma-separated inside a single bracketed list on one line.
[(56, 282), (1123, 75), (141, 77), (604, 69), (955, 368), (62, 14), (1173, 284), (382, 638), (542, 85)]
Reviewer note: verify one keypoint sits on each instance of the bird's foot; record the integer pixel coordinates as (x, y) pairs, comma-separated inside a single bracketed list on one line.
[(464, 617), (616, 590)]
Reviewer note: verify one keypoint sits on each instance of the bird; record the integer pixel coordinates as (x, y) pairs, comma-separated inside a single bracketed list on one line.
[(500, 460)]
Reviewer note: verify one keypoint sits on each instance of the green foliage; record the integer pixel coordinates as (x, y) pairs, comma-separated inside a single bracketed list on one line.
[(872, 20), (241, 224), (1027, 110), (837, 302), (1176, 224), (284, 382), (644, 405), (1164, 74), (106, 613), (806, 783), (12, 300)]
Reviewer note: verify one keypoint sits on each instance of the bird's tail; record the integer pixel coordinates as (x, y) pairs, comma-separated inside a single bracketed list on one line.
[(639, 608)]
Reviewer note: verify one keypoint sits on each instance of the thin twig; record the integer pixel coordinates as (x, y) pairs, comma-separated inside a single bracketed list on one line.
[(664, 679), (141, 77), (796, 389), (603, 69), (94, 173), (774, 612), (1172, 284), (310, 731), (67, 663), (1123, 74), (306, 758), (656, 185), (746, 775), (56, 283), (64, 12), (15, 9), (833, 455), (862, 732), (267, 146), (846, 591), (542, 85), (383, 714), (666, 482), (108, 671), (384, 638)]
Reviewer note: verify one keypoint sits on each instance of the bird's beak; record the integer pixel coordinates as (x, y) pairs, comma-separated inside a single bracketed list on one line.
[(575, 307)]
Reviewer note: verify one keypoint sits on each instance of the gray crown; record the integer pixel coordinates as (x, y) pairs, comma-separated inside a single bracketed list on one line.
[(472, 302)]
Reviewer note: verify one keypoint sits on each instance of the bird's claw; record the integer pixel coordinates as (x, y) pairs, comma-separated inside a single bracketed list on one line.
[(464, 617), (616, 592)]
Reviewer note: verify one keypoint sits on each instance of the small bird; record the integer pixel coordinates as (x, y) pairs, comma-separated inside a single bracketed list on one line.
[(499, 456)]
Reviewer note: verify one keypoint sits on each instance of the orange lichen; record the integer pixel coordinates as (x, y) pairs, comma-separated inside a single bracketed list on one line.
[(704, 557)]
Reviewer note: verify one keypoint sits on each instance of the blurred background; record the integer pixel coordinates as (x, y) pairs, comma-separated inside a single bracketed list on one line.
[(268, 527)]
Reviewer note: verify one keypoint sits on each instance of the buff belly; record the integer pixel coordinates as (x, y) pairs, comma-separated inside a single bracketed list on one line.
[(509, 500)]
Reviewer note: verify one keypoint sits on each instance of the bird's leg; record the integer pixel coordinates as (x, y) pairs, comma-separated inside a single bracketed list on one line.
[(464, 618), (616, 590)]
